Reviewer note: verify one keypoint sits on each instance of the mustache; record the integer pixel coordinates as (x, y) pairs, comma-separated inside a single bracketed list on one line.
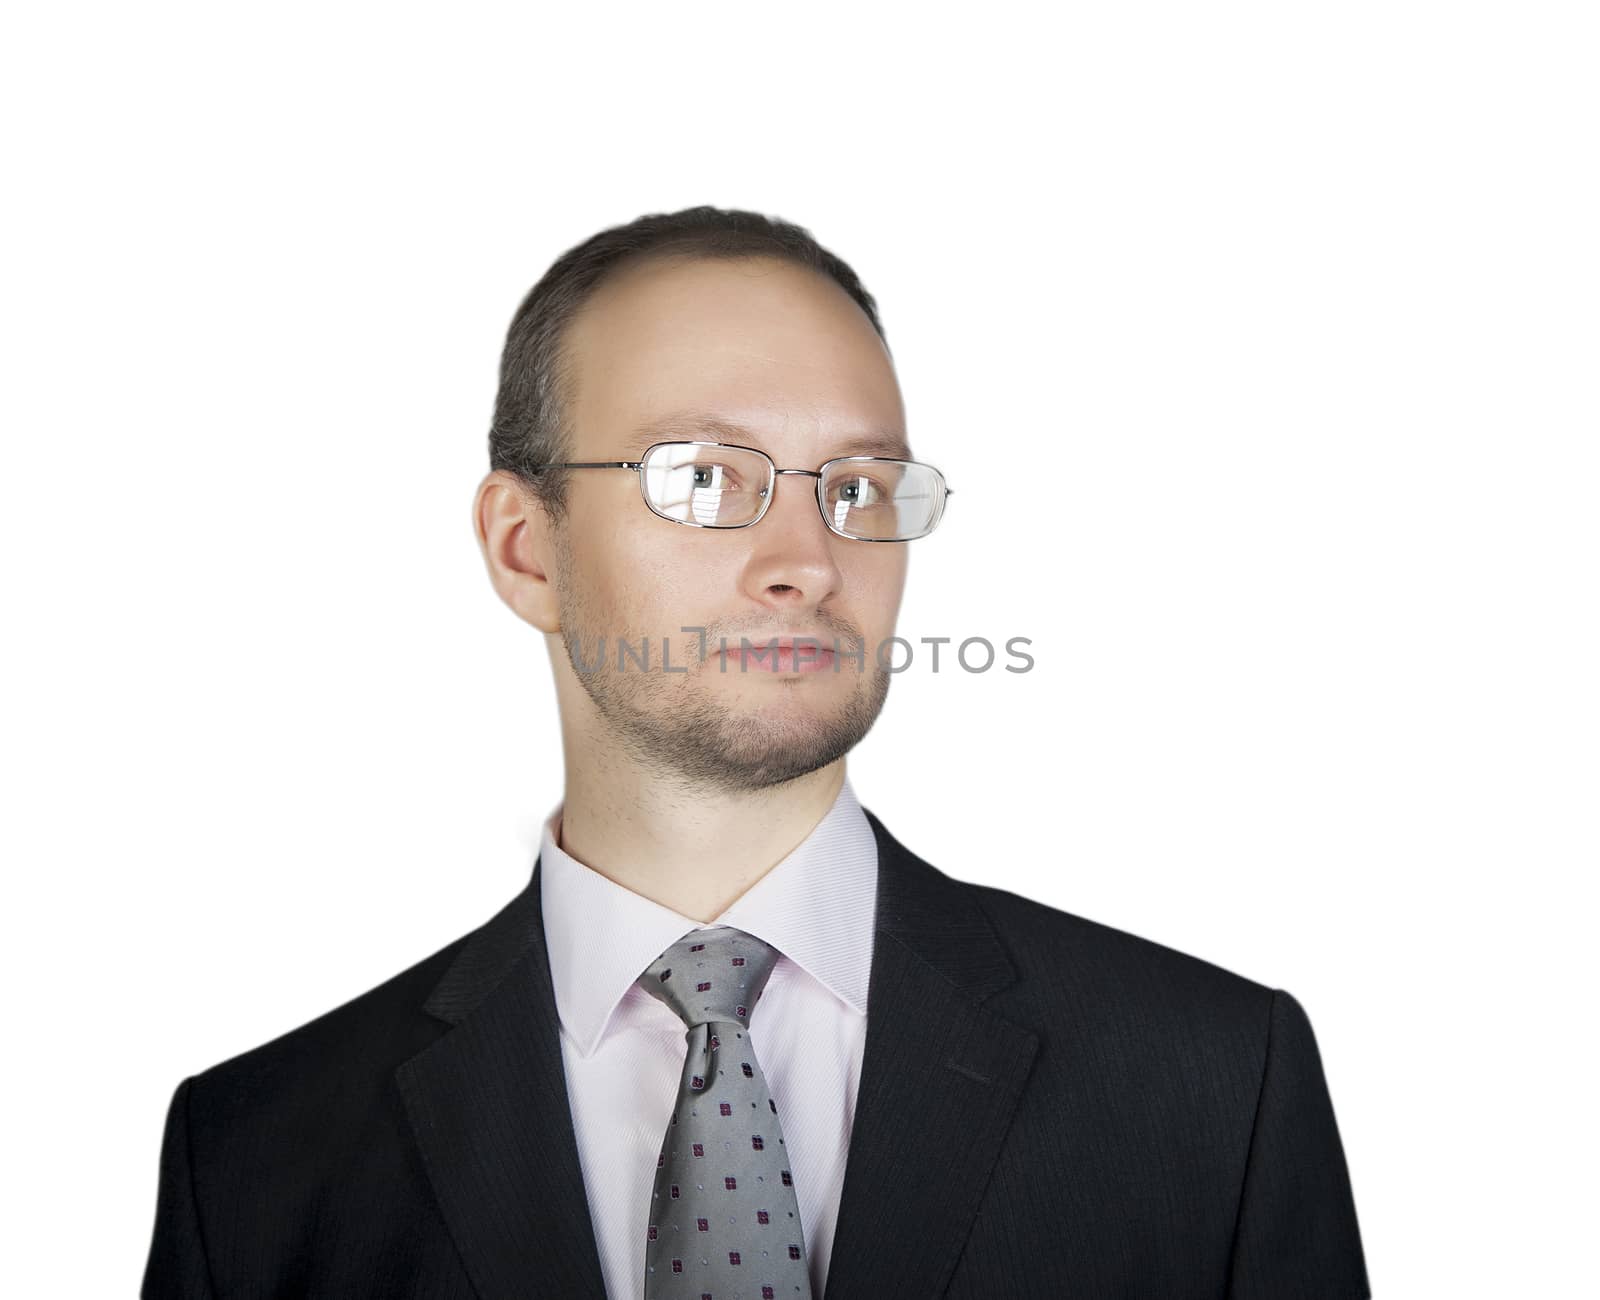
[(819, 628)]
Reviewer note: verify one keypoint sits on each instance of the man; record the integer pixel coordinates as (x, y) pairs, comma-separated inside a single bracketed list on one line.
[(733, 1038)]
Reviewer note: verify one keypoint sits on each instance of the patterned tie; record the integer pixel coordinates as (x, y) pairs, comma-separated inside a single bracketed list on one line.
[(724, 1222)]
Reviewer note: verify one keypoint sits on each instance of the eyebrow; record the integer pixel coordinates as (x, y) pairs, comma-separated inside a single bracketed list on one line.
[(700, 426)]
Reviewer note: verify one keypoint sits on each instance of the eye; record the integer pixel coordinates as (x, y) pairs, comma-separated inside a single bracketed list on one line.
[(861, 491), (709, 474)]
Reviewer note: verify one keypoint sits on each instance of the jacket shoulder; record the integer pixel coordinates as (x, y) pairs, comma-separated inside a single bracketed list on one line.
[(335, 1064), (261, 1147), (1040, 936), (1130, 989), (1062, 958)]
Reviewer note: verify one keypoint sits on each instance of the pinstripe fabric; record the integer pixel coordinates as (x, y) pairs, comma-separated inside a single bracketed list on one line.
[(1047, 1107), (623, 1049)]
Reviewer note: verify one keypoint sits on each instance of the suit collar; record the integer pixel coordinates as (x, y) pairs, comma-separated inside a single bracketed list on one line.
[(941, 1078)]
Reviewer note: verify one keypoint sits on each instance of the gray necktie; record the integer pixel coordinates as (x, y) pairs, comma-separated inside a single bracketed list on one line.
[(724, 1222)]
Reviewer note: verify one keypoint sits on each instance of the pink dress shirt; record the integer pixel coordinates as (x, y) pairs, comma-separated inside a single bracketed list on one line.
[(623, 1050)]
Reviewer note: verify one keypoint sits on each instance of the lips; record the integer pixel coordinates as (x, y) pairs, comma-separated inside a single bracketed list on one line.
[(784, 654)]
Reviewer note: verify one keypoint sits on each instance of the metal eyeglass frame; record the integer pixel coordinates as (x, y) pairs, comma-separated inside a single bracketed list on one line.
[(767, 493)]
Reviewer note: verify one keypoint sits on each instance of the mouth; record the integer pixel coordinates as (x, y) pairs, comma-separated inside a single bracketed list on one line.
[(782, 655)]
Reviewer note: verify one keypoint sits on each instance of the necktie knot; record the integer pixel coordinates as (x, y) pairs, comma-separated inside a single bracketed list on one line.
[(710, 975)]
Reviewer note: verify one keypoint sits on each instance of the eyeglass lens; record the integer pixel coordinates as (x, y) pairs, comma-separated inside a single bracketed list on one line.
[(726, 487)]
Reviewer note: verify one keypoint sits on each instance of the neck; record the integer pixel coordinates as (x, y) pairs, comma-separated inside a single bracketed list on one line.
[(692, 849)]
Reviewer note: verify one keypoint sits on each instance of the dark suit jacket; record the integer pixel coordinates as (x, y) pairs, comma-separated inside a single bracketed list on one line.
[(1048, 1108)]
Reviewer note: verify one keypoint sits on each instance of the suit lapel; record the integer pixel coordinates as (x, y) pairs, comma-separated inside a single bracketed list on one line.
[(940, 1080), (488, 1107)]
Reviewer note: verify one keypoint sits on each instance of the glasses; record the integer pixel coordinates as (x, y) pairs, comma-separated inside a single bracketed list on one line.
[(718, 485)]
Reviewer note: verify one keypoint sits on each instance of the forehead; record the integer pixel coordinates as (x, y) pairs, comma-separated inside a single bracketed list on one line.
[(753, 350), (714, 426)]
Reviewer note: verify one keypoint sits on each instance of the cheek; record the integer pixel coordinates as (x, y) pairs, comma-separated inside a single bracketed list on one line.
[(652, 583), (881, 586), (601, 579)]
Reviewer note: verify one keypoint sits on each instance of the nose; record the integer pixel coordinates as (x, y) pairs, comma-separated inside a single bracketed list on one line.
[(793, 557)]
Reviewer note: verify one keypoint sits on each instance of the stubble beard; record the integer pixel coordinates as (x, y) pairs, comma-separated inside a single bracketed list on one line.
[(671, 721)]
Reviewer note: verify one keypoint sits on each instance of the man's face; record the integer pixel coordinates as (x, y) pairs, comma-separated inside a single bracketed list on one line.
[(786, 354)]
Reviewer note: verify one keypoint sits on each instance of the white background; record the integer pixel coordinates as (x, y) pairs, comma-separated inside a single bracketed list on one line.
[(1283, 318)]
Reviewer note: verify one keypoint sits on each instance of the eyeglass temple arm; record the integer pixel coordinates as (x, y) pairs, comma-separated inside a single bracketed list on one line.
[(588, 464)]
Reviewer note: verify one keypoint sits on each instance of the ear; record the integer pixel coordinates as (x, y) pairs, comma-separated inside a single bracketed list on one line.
[(515, 535)]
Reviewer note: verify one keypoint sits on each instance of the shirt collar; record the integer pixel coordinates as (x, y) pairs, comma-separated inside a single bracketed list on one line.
[(815, 907)]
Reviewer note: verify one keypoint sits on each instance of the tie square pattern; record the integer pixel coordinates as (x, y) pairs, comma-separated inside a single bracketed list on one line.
[(741, 1236)]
